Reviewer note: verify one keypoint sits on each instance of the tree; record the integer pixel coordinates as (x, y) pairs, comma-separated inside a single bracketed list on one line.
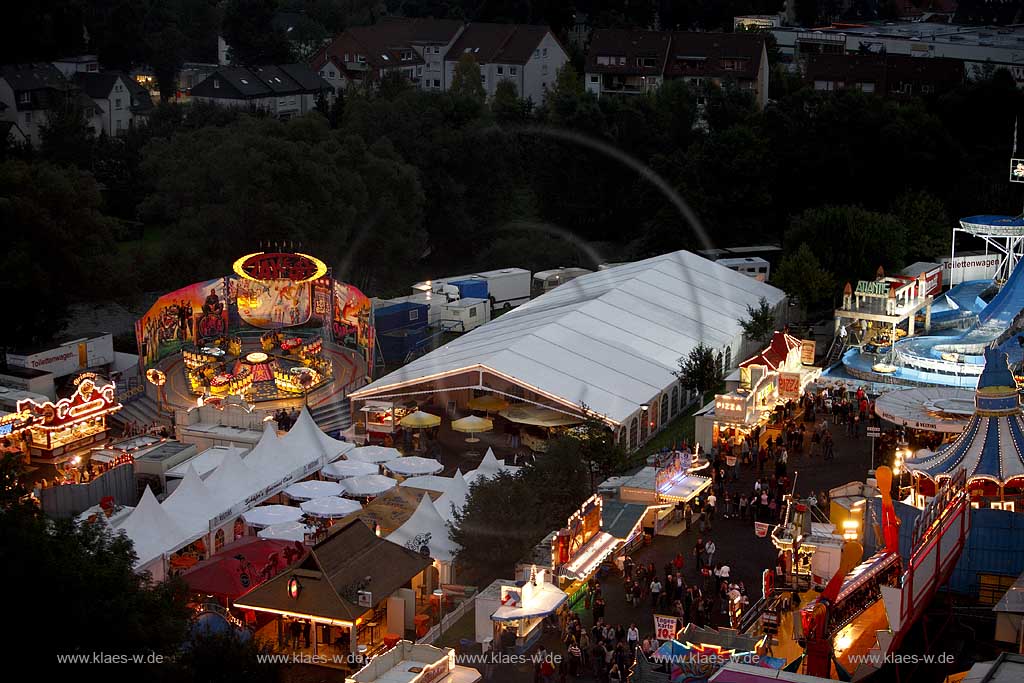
[(925, 224), (250, 33), (78, 567), (800, 275), (466, 81), (759, 325), (58, 248), (850, 241), (67, 137), (701, 370), (225, 657), (506, 105), (598, 447)]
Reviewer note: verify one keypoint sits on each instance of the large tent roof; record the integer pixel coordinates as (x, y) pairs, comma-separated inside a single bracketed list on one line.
[(190, 505), (610, 339)]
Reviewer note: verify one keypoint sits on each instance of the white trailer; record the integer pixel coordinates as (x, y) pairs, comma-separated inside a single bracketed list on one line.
[(464, 315), (506, 287)]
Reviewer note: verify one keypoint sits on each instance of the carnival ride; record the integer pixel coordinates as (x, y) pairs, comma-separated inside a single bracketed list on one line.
[(957, 358), (269, 332), (867, 609)]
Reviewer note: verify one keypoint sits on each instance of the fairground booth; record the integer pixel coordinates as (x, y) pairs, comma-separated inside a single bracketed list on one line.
[(409, 662), (281, 329), (670, 489), (354, 589), (510, 614), (779, 373)]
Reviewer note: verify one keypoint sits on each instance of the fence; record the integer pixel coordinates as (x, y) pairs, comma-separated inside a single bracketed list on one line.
[(447, 621), (68, 500)]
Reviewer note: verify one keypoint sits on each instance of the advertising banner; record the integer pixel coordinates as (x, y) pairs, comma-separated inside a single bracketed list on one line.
[(189, 315), (789, 385), (664, 627), (807, 349), (273, 304)]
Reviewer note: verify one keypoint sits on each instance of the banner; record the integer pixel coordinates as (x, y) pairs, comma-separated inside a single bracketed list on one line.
[(189, 315), (789, 385), (272, 304), (761, 529), (665, 627), (807, 349)]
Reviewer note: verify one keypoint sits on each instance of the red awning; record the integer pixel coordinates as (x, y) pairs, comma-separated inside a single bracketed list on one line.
[(243, 565)]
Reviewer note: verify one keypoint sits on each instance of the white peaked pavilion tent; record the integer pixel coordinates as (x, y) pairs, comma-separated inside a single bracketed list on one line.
[(305, 440), (191, 505), (489, 467), (454, 491), (234, 480), (154, 532), (609, 339), (427, 521)]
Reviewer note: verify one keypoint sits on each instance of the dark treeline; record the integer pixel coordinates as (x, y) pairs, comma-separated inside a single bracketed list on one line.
[(402, 184)]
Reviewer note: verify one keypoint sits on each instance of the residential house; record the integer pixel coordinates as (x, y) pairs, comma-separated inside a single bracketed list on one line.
[(632, 62), (283, 90), (10, 133), (81, 64), (528, 56), (739, 59), (884, 74), (112, 92), (625, 61), (141, 101), (414, 48), (29, 93)]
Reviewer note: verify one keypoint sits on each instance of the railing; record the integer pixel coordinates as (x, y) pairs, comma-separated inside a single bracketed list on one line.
[(447, 621)]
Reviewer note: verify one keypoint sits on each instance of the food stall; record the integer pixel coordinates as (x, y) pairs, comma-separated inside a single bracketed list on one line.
[(512, 613), (578, 549), (71, 424)]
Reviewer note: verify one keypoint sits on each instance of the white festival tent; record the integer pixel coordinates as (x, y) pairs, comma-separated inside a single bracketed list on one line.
[(331, 507), (369, 485), (489, 467), (427, 525), (611, 339), (453, 490), (269, 515), (192, 505), (154, 533), (343, 469), (311, 489), (233, 481), (287, 531), (413, 465), (434, 482), (305, 440)]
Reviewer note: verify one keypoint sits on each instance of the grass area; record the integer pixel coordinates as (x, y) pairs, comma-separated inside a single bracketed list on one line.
[(683, 426)]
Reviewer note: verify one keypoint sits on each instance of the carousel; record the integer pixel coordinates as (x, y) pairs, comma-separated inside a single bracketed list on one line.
[(990, 449)]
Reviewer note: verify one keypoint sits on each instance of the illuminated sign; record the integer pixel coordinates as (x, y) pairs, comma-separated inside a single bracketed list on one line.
[(873, 288), (789, 385), (88, 402), (807, 349), (16, 422), (294, 588), (280, 266), (1017, 170), (581, 527)]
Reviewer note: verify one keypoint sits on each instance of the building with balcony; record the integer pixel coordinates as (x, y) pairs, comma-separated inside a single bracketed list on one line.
[(283, 91), (633, 62), (883, 74)]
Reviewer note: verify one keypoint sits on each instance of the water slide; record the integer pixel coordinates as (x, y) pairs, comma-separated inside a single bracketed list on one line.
[(957, 358)]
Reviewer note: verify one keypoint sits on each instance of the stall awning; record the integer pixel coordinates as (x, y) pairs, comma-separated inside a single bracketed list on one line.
[(543, 602), (685, 489), (590, 556)]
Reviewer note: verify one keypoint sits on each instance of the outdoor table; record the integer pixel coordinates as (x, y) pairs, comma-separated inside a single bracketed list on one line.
[(390, 639)]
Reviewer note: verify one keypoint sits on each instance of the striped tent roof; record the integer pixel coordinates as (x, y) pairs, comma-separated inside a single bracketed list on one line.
[(992, 445)]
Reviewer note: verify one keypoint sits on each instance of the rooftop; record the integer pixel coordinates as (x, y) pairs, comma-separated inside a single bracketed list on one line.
[(498, 43)]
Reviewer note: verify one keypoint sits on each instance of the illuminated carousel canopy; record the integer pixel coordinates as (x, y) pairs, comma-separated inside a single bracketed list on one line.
[(990, 447)]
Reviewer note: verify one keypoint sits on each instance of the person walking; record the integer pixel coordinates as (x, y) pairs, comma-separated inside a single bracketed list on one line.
[(655, 591), (633, 638), (712, 501), (709, 550)]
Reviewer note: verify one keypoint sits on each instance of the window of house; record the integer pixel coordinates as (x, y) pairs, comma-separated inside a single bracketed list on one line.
[(604, 60), (647, 61), (25, 98), (544, 52), (419, 71), (536, 53), (216, 84), (117, 103), (331, 73), (867, 87), (118, 88), (927, 89), (93, 67), (120, 124), (513, 70), (28, 117), (824, 85), (501, 71), (347, 58), (483, 78), (544, 69), (437, 83), (622, 61), (361, 59), (594, 78)]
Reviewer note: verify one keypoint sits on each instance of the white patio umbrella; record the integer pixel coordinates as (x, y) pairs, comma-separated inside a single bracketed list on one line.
[(331, 507), (287, 531), (374, 454), (308, 490), (368, 485), (414, 465), (268, 515), (343, 469), (472, 425)]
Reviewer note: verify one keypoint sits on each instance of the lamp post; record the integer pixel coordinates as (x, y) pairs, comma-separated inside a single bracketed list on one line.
[(439, 594)]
